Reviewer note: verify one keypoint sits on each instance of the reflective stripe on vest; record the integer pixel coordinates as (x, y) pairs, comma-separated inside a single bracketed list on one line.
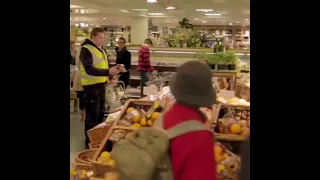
[(99, 61)]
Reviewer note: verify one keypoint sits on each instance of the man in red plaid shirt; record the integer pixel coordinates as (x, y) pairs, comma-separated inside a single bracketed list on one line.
[(144, 64)]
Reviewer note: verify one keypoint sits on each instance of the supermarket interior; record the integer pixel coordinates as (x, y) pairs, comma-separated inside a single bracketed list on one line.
[(127, 64)]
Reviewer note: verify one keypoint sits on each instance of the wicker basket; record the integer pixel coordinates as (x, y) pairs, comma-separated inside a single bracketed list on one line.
[(229, 137), (137, 104), (84, 156), (99, 170), (86, 167), (242, 91)]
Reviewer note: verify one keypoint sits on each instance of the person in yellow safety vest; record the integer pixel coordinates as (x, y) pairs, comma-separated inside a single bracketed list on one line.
[(95, 74)]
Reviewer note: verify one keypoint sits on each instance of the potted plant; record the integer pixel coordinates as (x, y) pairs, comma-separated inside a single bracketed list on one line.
[(212, 60), (221, 61), (231, 60)]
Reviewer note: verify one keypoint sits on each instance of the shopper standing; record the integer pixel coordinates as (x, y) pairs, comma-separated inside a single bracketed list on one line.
[(77, 87), (144, 63), (94, 76), (192, 154), (73, 53), (123, 57)]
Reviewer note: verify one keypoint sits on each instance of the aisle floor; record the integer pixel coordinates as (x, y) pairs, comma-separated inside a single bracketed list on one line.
[(77, 137)]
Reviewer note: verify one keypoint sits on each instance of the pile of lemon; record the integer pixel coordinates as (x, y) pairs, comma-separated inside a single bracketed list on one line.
[(142, 121), (106, 159), (75, 174)]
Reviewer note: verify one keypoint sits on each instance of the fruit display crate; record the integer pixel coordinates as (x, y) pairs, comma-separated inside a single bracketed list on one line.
[(125, 126)]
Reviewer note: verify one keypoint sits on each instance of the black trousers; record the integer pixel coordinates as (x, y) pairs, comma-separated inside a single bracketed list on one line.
[(125, 77), (80, 96), (94, 100)]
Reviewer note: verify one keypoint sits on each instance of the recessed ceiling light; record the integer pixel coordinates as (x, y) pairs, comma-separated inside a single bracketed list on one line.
[(74, 6), (104, 18), (82, 11), (123, 10), (171, 8), (196, 19), (230, 24), (175, 20), (152, 1), (238, 22), (77, 25), (139, 9), (203, 21), (246, 19), (70, 18), (117, 22), (213, 14), (155, 14), (204, 10)]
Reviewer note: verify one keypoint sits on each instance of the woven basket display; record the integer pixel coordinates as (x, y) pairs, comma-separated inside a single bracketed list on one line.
[(242, 91), (86, 167), (84, 156)]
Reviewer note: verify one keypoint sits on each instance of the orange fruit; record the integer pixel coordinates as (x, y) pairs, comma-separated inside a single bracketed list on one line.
[(149, 122), (155, 115), (136, 119), (225, 155), (218, 149), (245, 131), (130, 109), (235, 129), (143, 122), (218, 158)]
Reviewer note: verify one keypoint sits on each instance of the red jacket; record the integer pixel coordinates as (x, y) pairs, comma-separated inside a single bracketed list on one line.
[(144, 63), (192, 155)]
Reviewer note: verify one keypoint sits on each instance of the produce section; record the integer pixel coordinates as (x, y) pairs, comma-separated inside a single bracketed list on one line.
[(232, 125)]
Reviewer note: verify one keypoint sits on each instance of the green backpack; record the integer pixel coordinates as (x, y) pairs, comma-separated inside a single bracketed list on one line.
[(145, 156)]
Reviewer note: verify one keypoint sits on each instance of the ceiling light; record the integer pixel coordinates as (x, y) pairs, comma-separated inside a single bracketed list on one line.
[(117, 22), (77, 25), (75, 6), (238, 22), (203, 21), (196, 19), (204, 10), (70, 18), (139, 9), (104, 18), (82, 11), (175, 20), (213, 14), (123, 10), (230, 24), (155, 14), (171, 7), (152, 1), (246, 19)]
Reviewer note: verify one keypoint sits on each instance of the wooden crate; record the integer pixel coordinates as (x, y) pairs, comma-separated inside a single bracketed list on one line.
[(97, 134), (137, 104), (242, 91)]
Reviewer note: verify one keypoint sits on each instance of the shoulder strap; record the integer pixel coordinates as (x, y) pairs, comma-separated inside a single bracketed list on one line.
[(182, 128), (186, 127)]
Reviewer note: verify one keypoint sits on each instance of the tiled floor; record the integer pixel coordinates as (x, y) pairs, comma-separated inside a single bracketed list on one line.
[(77, 138)]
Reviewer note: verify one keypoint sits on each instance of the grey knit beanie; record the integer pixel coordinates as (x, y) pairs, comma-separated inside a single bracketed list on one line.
[(192, 85)]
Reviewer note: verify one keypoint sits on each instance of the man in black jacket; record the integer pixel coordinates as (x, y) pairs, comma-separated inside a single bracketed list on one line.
[(95, 74), (123, 57)]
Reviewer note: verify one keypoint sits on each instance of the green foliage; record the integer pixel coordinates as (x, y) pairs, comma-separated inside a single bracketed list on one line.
[(184, 23)]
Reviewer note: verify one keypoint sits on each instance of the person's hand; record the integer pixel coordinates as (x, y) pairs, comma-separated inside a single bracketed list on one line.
[(114, 71)]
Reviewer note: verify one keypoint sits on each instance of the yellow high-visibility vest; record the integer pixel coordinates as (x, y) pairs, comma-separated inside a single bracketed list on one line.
[(99, 61)]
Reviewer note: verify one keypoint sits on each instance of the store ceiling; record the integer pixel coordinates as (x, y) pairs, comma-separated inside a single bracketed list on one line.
[(121, 12)]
